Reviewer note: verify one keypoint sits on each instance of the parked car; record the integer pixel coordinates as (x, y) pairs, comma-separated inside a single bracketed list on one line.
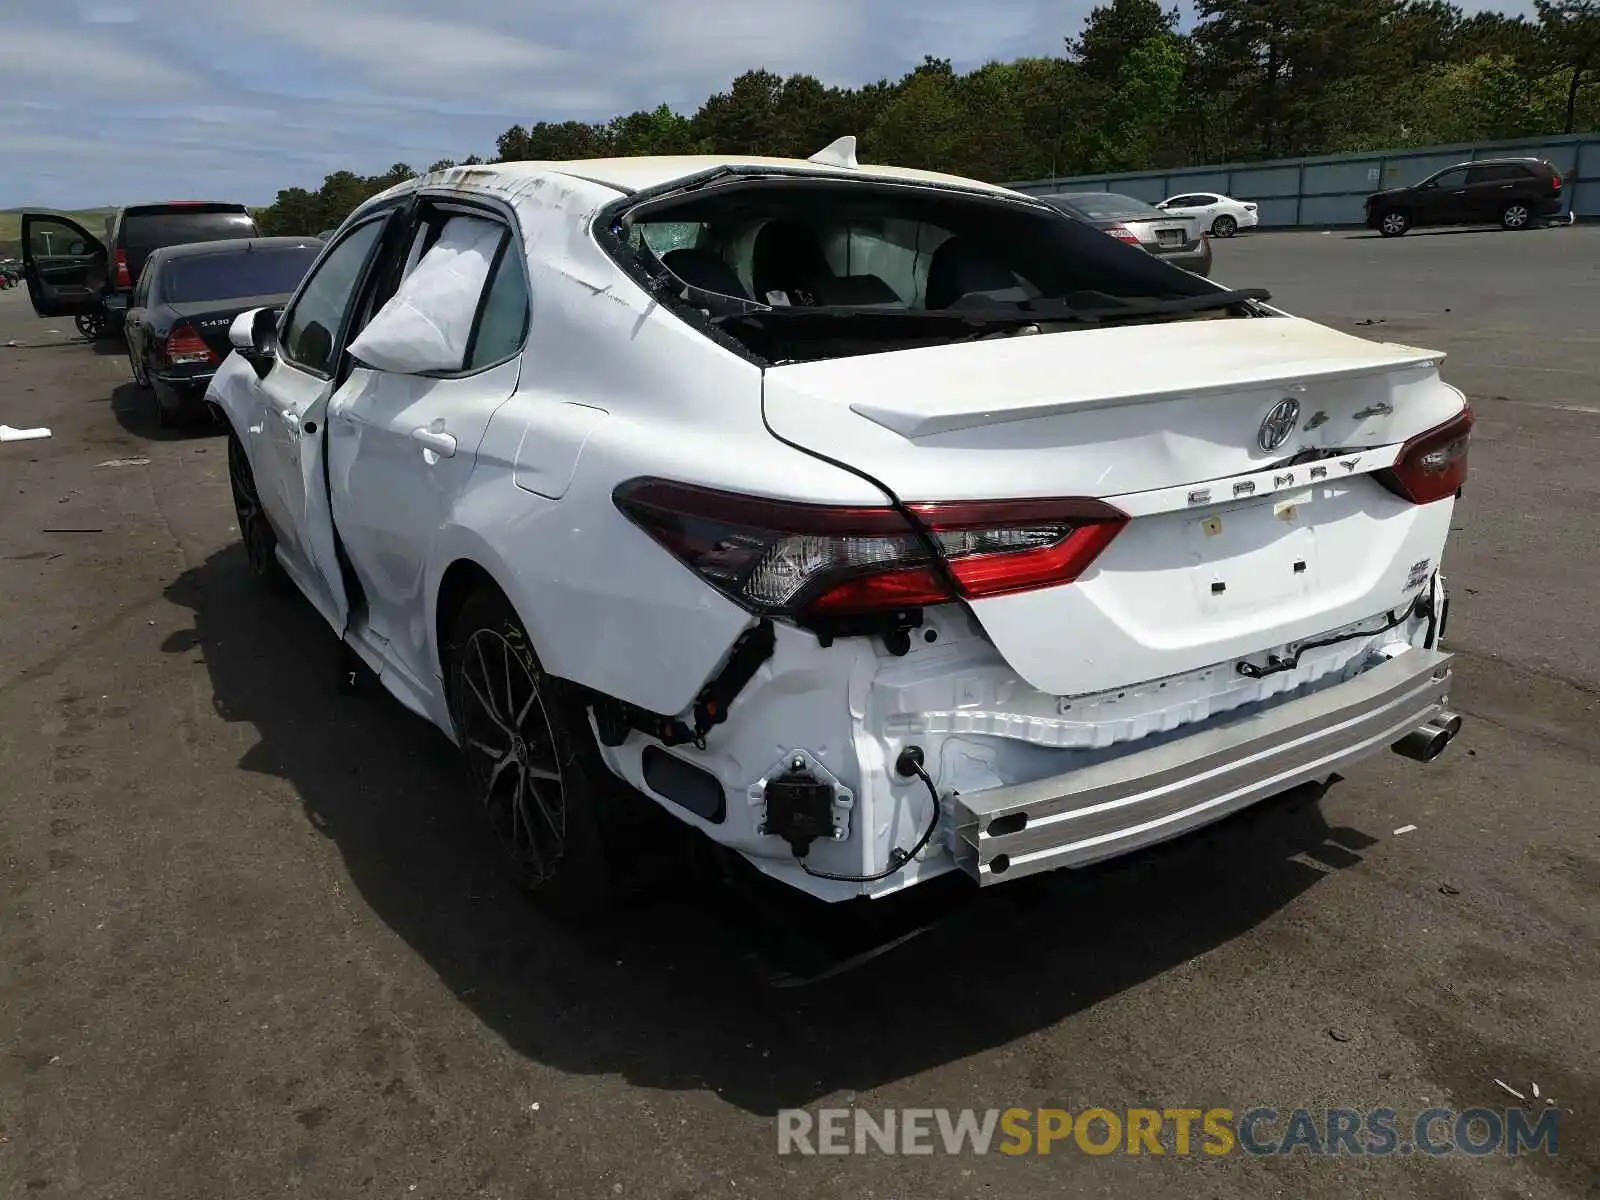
[(185, 301), (95, 283), (1513, 192), (1223, 216), (877, 524), (1177, 240)]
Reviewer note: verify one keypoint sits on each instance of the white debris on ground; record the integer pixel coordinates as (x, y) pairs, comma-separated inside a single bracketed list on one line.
[(1405, 829), (9, 433), (1506, 1087)]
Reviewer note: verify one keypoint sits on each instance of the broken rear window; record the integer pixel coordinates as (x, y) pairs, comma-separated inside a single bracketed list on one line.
[(801, 267)]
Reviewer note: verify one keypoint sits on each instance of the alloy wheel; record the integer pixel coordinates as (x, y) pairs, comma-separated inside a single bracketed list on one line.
[(510, 750), (1394, 223), (1515, 216)]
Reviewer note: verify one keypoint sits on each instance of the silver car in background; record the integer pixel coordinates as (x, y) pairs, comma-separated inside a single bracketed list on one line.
[(1178, 240)]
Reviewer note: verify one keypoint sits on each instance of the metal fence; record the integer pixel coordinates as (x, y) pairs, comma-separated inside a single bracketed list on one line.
[(1331, 189)]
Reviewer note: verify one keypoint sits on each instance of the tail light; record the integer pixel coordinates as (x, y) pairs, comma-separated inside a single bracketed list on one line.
[(1433, 464), (809, 560), (1123, 234), (184, 345), (124, 280), (1555, 180)]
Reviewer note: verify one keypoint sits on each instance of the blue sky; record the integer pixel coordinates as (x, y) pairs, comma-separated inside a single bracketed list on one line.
[(114, 101)]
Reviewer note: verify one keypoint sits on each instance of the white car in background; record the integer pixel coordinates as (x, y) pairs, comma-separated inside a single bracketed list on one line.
[(1222, 216), (876, 524)]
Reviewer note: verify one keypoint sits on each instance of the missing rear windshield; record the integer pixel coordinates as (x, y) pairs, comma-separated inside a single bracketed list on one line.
[(800, 268)]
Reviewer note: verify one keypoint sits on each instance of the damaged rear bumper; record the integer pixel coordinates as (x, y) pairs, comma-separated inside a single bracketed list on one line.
[(1151, 795)]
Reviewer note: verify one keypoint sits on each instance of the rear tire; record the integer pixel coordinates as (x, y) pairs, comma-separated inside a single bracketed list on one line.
[(1225, 226), (1394, 223), (260, 542), (1516, 215), (531, 760), (140, 379)]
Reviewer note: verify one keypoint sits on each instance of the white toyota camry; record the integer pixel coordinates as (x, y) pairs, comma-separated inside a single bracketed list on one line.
[(877, 524)]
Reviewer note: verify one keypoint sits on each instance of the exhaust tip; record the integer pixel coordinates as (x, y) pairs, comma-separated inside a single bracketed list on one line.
[(1428, 742)]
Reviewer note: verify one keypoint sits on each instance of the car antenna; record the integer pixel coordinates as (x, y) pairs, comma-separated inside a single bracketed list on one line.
[(838, 153)]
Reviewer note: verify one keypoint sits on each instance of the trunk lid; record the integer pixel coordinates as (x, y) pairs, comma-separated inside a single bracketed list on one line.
[(1166, 235), (1233, 548), (212, 320)]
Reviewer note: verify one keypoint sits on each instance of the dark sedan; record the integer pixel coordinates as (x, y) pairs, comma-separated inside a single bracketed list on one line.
[(185, 301), (1177, 240)]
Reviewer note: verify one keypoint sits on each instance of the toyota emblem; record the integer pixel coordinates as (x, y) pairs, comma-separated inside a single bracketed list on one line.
[(1278, 424)]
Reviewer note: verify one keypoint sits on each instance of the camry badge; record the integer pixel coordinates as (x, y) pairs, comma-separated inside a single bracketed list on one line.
[(1278, 424)]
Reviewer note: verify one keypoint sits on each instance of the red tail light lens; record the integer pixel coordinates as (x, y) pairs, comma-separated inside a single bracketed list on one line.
[(1431, 465), (124, 280), (184, 345), (1555, 180), (803, 560), (1123, 234)]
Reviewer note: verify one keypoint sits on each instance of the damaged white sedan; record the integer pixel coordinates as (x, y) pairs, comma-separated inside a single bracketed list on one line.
[(876, 524)]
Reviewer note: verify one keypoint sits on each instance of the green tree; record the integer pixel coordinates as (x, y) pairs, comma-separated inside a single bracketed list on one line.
[(1570, 29), (1113, 31), (1144, 103)]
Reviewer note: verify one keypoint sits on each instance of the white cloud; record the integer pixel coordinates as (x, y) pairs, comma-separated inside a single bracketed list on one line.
[(110, 14), (71, 64), (392, 45)]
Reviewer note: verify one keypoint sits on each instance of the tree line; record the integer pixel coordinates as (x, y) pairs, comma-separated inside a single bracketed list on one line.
[(1251, 80)]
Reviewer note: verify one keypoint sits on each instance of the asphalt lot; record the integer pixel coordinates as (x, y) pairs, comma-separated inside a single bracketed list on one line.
[(251, 942)]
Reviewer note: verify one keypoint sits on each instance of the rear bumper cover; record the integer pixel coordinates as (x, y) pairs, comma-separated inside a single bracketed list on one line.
[(1151, 795), (177, 390)]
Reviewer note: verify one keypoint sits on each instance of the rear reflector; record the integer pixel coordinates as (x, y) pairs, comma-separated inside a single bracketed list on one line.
[(800, 560), (124, 280), (1433, 464), (184, 345)]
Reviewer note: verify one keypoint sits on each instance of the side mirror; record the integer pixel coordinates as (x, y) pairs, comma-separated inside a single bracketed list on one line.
[(254, 335)]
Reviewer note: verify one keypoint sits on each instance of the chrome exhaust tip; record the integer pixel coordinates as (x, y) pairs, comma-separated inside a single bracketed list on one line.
[(1448, 721), (1426, 743)]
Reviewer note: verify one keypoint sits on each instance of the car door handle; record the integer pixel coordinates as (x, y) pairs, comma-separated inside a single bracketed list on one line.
[(441, 443)]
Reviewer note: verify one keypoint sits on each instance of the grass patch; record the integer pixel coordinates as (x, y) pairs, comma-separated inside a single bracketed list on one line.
[(92, 219)]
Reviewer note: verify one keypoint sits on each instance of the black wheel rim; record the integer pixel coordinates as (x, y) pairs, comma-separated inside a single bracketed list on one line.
[(254, 531), (511, 753)]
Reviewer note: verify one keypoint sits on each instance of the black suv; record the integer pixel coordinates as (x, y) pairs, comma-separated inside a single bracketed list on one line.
[(1512, 192), (71, 272)]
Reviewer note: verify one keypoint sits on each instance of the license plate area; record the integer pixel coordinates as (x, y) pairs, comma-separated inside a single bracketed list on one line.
[(1169, 237), (1255, 556)]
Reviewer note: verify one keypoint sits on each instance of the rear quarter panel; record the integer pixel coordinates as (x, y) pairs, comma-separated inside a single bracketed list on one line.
[(605, 605)]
